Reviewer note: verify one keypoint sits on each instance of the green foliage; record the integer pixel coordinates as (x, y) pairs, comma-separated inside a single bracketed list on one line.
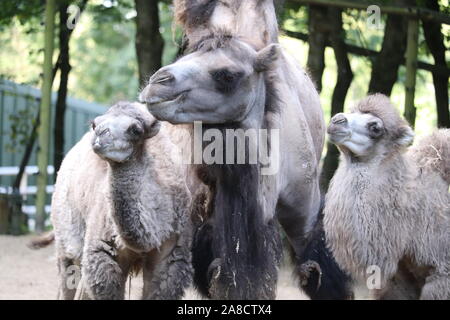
[(295, 18), (21, 125), (22, 10), (103, 58), (110, 11), (170, 33), (21, 56)]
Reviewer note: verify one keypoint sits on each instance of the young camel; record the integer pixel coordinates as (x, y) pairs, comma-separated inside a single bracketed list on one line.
[(387, 207), (120, 205)]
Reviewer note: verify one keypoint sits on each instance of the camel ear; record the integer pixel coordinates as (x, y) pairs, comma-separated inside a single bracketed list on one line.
[(266, 57), (405, 136), (152, 128)]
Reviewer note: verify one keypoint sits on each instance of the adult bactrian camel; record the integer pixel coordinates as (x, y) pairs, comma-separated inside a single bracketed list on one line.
[(235, 77), (121, 204)]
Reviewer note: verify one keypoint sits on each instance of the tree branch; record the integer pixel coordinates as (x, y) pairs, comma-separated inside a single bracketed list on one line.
[(435, 69), (406, 11)]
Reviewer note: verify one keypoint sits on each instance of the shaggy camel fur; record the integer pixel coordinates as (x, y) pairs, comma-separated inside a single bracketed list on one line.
[(387, 207), (120, 205)]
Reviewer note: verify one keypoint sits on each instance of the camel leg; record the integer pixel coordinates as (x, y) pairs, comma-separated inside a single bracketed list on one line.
[(320, 276), (167, 274), (69, 275), (294, 223), (404, 285), (103, 277), (202, 258), (224, 287), (437, 287)]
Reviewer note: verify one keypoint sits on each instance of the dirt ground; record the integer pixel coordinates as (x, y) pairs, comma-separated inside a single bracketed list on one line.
[(27, 274)]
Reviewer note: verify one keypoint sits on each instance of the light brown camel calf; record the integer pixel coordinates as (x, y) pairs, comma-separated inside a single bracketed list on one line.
[(120, 204), (388, 208)]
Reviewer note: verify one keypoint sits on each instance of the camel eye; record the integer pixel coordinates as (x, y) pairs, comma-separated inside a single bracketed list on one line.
[(135, 130), (93, 125), (374, 129), (225, 80)]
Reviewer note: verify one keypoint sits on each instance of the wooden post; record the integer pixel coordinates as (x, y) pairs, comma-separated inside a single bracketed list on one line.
[(45, 115), (4, 214), (411, 70)]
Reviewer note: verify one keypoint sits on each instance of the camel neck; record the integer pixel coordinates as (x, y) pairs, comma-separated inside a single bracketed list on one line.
[(371, 176), (135, 209), (129, 174)]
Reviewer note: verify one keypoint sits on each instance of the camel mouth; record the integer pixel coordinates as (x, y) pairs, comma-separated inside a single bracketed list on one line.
[(155, 100), (110, 152), (338, 136), (116, 155)]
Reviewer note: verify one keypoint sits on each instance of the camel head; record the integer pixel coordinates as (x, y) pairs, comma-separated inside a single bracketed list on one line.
[(122, 130), (373, 128), (219, 82)]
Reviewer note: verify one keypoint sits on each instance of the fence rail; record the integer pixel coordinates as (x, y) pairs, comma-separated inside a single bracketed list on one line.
[(19, 106)]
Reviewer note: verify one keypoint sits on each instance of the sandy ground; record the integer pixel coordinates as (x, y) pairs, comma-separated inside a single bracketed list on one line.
[(27, 274)]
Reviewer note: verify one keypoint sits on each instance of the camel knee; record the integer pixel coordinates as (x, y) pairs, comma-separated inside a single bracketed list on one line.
[(103, 277), (169, 279)]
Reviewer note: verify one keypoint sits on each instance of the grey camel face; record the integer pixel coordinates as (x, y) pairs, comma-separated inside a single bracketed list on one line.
[(372, 129), (218, 83), (357, 132), (120, 132)]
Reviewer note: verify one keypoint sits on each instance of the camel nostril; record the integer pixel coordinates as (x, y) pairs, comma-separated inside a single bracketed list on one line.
[(162, 78), (96, 145), (339, 119)]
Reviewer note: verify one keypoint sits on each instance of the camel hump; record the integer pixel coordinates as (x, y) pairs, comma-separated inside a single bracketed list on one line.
[(433, 153), (42, 240)]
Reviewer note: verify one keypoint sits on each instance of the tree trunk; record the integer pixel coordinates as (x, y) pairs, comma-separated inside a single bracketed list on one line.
[(318, 28), (344, 80), (385, 67), (149, 42), (44, 126), (64, 67), (435, 42), (27, 155), (411, 71)]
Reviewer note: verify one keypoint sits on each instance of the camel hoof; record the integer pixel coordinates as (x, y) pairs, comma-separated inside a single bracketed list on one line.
[(214, 269), (305, 271)]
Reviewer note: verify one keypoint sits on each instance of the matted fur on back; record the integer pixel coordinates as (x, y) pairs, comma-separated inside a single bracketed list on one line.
[(433, 153)]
